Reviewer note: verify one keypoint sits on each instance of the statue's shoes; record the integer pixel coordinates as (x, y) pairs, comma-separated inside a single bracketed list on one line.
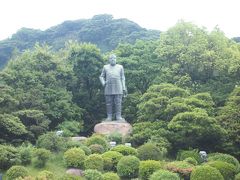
[(108, 119)]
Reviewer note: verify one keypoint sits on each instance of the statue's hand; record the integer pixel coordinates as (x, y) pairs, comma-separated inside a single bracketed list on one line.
[(125, 93)]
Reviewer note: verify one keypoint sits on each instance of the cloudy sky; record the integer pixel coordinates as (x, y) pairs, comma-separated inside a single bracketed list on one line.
[(150, 14)]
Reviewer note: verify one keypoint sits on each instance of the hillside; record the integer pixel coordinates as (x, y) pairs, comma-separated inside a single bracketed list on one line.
[(102, 30)]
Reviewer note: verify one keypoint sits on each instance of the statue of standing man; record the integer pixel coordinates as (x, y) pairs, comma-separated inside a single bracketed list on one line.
[(113, 81)]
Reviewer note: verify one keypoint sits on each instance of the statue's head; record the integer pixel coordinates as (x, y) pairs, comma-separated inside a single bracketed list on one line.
[(112, 59)]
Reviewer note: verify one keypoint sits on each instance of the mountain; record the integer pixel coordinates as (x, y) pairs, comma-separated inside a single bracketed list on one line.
[(102, 30)]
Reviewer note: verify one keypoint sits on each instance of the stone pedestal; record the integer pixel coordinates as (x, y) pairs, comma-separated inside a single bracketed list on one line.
[(109, 127)]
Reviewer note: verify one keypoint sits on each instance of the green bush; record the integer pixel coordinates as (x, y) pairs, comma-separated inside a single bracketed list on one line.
[(70, 128), (164, 175), (147, 168), (26, 178), (149, 151), (74, 157), (115, 136), (9, 156), (184, 154), (96, 148), (128, 167), (191, 161), (97, 139), (86, 149), (110, 176), (25, 155), (70, 177), (227, 170), (206, 172), (183, 168), (72, 144), (94, 161), (40, 157), (110, 160), (237, 177), (45, 175), (92, 174), (226, 158), (16, 171), (51, 141), (125, 150)]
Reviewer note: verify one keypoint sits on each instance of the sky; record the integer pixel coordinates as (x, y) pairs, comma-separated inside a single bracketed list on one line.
[(149, 14)]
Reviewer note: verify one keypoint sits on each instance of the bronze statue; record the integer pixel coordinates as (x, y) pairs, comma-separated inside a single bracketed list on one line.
[(113, 81)]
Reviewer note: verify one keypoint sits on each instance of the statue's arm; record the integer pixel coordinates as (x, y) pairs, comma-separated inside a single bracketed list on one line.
[(102, 77), (123, 81)]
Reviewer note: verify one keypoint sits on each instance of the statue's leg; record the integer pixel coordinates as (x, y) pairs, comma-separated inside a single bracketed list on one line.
[(118, 107), (109, 104)]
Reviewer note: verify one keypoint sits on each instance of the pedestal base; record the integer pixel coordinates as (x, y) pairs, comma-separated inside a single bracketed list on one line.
[(109, 127)]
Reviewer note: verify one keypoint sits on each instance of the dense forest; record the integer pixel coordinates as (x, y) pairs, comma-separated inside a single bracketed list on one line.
[(102, 30), (183, 95)]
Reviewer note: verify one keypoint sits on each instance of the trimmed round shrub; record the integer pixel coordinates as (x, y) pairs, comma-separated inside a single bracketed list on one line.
[(16, 171), (51, 141), (110, 160), (128, 167), (96, 148), (74, 157), (72, 144), (184, 154), (147, 168), (86, 149), (191, 161), (164, 175), (206, 172), (45, 175), (183, 168), (227, 170), (9, 156), (94, 161), (115, 136), (92, 174), (225, 158), (97, 139), (149, 151), (110, 176), (40, 157), (70, 177), (125, 150), (237, 177)]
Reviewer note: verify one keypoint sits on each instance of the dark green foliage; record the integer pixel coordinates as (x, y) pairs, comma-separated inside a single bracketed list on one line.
[(94, 161), (97, 148), (110, 176), (97, 139), (149, 151), (74, 157), (16, 171), (9, 156), (229, 119), (70, 128), (128, 167), (25, 154), (51, 141), (164, 175), (125, 150), (40, 157), (184, 154), (225, 158), (147, 168), (111, 159), (227, 170), (206, 172), (92, 174)]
